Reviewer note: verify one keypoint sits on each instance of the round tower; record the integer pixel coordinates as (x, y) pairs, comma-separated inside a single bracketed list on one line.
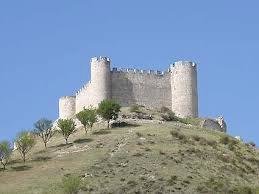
[(184, 89), (100, 79), (67, 107)]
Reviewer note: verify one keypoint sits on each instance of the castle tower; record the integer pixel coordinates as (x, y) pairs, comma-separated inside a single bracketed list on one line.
[(184, 89), (100, 79), (67, 107)]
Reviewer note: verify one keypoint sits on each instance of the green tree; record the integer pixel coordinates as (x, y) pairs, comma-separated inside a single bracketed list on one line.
[(67, 127), (5, 153), (43, 128), (24, 142), (87, 117), (109, 110)]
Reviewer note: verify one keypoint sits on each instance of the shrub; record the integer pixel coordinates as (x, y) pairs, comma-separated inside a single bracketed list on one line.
[(178, 135), (161, 152), (164, 109), (172, 180), (135, 108), (232, 144), (212, 143), (71, 184), (242, 190), (132, 183), (224, 140), (196, 137), (139, 134), (190, 121), (121, 124), (169, 116)]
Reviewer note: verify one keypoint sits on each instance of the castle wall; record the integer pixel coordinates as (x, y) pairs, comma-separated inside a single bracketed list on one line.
[(84, 97), (67, 107), (175, 89), (99, 88), (149, 89)]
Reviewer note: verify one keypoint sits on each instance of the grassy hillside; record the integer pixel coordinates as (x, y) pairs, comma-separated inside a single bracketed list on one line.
[(142, 157)]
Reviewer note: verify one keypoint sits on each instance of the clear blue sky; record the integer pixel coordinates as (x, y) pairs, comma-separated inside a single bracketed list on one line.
[(45, 48)]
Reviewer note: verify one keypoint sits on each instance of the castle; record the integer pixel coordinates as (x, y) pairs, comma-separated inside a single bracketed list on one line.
[(175, 89)]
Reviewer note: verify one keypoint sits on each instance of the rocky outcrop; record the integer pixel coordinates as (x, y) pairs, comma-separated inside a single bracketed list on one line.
[(217, 124)]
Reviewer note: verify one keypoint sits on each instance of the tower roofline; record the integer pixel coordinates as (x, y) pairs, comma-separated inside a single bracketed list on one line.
[(100, 58)]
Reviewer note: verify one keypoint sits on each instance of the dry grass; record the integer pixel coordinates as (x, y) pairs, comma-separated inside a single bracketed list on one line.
[(135, 159)]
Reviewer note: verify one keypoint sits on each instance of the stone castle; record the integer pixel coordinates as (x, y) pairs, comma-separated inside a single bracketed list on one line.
[(175, 88)]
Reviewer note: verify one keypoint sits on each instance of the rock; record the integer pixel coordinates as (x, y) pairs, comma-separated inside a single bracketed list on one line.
[(222, 123), (211, 124)]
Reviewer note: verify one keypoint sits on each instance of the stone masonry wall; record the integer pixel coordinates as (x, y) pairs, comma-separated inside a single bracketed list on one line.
[(148, 89), (175, 89), (67, 106)]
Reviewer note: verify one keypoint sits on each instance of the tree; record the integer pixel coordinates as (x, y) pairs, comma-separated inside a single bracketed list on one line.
[(25, 142), (87, 117), (108, 110), (67, 127), (5, 153), (43, 128)]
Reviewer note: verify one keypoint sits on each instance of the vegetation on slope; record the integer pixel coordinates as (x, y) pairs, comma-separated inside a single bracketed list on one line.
[(140, 157)]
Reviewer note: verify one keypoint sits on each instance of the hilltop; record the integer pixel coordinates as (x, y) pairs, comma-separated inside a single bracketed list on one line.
[(138, 156)]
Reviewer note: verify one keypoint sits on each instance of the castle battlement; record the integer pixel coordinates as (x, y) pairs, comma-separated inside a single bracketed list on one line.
[(100, 58), (188, 63), (175, 88), (84, 88), (137, 71), (67, 97)]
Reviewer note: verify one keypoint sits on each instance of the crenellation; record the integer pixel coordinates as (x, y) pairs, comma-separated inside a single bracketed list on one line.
[(100, 58), (175, 88)]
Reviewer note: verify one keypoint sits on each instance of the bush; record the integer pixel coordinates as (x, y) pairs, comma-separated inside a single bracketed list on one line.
[(242, 190), (164, 109), (139, 134), (196, 137), (135, 108), (212, 143), (169, 116), (172, 180), (232, 144), (189, 121), (177, 135), (71, 184), (224, 140)]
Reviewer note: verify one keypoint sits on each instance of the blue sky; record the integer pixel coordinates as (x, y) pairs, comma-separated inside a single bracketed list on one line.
[(45, 48)]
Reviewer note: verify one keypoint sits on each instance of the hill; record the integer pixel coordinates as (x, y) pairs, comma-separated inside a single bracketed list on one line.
[(144, 156)]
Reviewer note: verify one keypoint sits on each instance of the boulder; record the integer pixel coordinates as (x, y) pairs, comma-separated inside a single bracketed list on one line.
[(211, 124)]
